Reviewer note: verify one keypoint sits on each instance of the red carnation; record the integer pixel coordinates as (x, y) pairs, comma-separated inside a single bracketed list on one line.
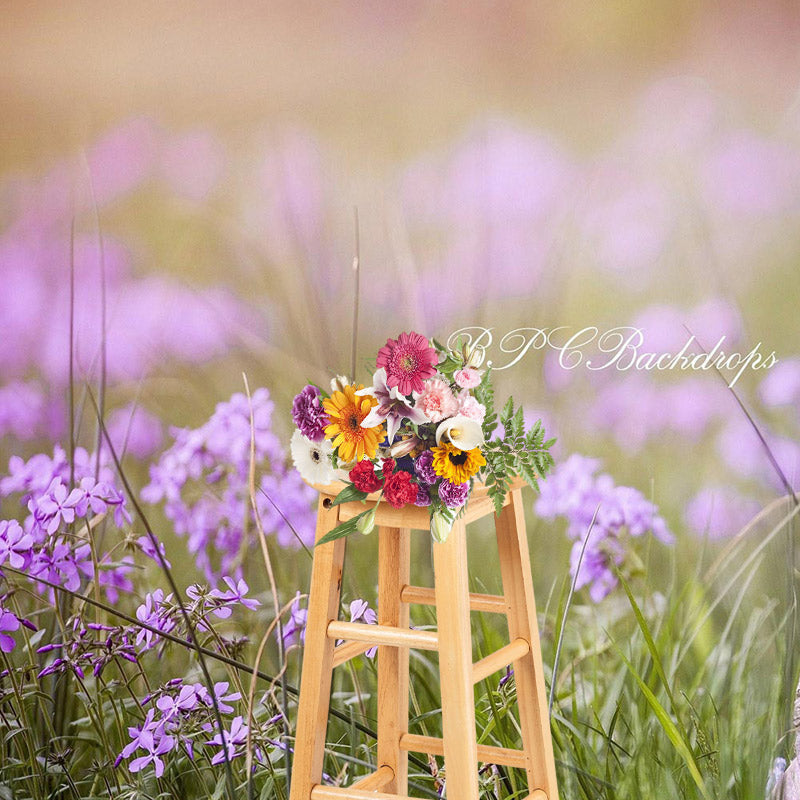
[(399, 490), (388, 467), (364, 478)]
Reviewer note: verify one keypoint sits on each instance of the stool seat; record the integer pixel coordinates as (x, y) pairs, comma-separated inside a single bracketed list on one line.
[(413, 517), (452, 641)]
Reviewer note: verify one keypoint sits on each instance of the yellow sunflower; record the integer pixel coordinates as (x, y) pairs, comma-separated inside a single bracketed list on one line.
[(346, 412), (457, 466)]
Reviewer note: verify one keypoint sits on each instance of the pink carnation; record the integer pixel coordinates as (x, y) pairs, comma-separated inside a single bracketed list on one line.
[(470, 408), (437, 400), (468, 378)]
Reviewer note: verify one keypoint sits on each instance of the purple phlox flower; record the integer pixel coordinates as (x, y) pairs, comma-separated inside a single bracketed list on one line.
[(230, 740), (218, 453), (62, 565), (153, 739), (309, 415), (294, 631), (423, 466), (155, 612), (186, 700), (392, 407), (235, 595), (361, 612), (220, 696), (67, 661), (15, 544), (58, 504), (9, 623), (507, 677), (146, 546), (453, 495)]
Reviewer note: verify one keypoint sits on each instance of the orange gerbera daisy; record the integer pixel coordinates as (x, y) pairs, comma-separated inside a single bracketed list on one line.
[(347, 411)]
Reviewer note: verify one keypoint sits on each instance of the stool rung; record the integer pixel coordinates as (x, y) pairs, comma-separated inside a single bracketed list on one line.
[(537, 794), (499, 659), (344, 652), (492, 603), (487, 754), (320, 792), (375, 780), (383, 634)]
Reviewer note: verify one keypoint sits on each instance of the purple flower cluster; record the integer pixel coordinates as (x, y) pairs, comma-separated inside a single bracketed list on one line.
[(574, 491), (35, 253), (182, 718), (164, 614), (203, 480), (51, 543)]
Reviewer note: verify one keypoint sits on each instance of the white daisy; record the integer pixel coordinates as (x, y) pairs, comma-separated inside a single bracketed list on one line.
[(312, 459)]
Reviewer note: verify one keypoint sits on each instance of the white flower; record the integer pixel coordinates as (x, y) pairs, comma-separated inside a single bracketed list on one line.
[(460, 431), (312, 459)]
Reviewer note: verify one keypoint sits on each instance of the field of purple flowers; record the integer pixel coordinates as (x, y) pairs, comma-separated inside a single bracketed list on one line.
[(155, 537)]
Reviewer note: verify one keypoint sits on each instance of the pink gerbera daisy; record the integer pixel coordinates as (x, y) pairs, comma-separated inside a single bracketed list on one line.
[(408, 361)]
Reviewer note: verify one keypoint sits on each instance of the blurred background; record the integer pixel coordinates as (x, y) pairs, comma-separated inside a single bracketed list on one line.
[(512, 164)]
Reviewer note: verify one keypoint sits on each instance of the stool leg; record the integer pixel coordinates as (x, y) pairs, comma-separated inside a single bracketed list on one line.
[(315, 683), (534, 718), (394, 556), (455, 665)]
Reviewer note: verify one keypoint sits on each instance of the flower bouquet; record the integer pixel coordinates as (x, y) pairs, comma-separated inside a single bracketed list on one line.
[(421, 434)]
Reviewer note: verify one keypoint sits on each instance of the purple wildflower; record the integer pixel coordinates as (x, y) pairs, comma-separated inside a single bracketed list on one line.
[(309, 415), (232, 741), (153, 739), (294, 631), (234, 596), (453, 495), (361, 612), (56, 506), (15, 544), (156, 613), (8, 624)]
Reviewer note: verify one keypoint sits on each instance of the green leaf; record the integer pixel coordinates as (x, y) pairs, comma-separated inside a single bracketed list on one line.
[(348, 494), (669, 727), (344, 529)]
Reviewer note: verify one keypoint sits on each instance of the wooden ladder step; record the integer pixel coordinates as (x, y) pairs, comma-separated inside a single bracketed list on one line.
[(491, 603), (375, 780), (499, 659), (320, 792), (487, 754), (383, 634)]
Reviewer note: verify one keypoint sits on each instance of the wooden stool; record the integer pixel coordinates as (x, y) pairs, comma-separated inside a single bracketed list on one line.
[(453, 641)]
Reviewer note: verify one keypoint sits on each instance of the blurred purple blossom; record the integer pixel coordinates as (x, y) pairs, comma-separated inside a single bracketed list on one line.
[(781, 385), (192, 163), (719, 512), (575, 491), (203, 479), (132, 429)]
